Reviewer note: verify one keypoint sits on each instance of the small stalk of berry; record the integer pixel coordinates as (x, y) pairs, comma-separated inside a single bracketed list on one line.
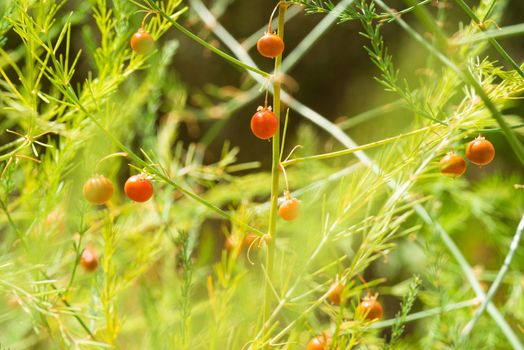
[(369, 308), (142, 42), (271, 45)]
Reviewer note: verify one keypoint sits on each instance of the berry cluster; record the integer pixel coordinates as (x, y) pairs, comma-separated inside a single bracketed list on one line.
[(479, 152), (369, 309), (99, 189), (264, 123)]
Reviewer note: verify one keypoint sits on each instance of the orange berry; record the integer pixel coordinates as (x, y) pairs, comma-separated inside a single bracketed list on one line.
[(264, 124), (270, 45), (335, 293), (138, 188), (89, 260), (320, 342), (370, 308), (142, 42), (98, 189), (480, 151), (452, 164), (288, 210)]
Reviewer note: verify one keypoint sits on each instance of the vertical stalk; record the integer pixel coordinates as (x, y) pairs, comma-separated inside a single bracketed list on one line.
[(275, 165), (276, 138)]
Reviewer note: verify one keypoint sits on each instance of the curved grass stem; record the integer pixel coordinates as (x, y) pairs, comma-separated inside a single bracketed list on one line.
[(204, 43), (494, 287)]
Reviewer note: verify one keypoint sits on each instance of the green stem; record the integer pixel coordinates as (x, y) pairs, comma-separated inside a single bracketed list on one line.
[(388, 18), (492, 41), (356, 149), (276, 139), (208, 46), (12, 144), (497, 130), (66, 303), (14, 152)]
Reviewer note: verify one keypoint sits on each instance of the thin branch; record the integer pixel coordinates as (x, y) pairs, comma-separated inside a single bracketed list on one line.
[(348, 151)]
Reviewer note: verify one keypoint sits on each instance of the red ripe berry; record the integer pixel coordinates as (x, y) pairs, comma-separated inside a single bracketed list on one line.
[(320, 342), (370, 308), (138, 188), (270, 45), (98, 189), (480, 151), (335, 293), (89, 260), (264, 123), (142, 42), (452, 164), (288, 210)]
